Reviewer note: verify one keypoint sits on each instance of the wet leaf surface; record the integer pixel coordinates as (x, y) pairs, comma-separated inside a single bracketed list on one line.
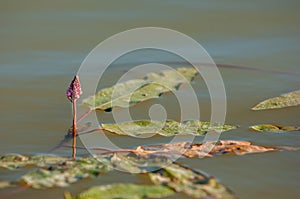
[(125, 191), (275, 128), (62, 171), (132, 92), (168, 128), (67, 172), (133, 163), (14, 161), (282, 101), (190, 182), (125, 163)]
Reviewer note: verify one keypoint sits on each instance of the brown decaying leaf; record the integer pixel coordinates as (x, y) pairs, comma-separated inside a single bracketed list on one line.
[(192, 150)]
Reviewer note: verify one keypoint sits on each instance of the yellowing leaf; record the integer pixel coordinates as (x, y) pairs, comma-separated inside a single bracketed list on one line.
[(168, 128), (276, 128), (14, 161), (125, 191), (125, 163), (134, 91), (133, 163), (190, 182), (65, 173), (285, 100)]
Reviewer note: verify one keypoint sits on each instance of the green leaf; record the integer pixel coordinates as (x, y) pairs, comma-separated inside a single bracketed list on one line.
[(190, 182), (285, 100), (168, 128), (67, 172), (125, 163), (15, 161), (125, 191), (134, 91), (275, 128), (137, 164)]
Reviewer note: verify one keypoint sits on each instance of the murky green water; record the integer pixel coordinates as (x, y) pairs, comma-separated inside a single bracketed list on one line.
[(43, 44)]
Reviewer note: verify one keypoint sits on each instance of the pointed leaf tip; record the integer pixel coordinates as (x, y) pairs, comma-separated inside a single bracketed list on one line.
[(74, 91)]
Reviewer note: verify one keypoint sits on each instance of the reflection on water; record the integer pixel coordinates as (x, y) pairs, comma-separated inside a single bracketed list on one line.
[(43, 44)]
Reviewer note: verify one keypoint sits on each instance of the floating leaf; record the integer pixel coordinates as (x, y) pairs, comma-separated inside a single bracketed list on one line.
[(14, 161), (125, 163), (276, 128), (138, 164), (70, 171), (285, 100), (61, 171), (134, 91), (190, 182), (125, 191), (208, 149), (168, 128)]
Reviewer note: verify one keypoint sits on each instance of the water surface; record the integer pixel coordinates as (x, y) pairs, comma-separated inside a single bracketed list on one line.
[(44, 43)]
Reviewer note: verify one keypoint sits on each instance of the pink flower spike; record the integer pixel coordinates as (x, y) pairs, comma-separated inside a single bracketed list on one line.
[(74, 91)]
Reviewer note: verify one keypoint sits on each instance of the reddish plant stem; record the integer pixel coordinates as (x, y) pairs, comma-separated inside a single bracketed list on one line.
[(105, 149), (90, 131), (84, 115), (74, 129), (293, 73)]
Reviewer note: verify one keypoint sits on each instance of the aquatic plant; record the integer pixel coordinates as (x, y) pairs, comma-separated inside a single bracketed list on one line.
[(56, 171), (73, 93)]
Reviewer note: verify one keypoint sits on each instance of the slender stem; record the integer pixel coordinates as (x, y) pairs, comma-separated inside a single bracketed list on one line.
[(105, 149), (91, 131), (84, 115), (74, 129)]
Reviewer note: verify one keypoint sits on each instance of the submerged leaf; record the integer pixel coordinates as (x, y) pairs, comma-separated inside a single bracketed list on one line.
[(276, 128), (190, 182), (125, 191), (134, 91), (282, 101), (168, 128)]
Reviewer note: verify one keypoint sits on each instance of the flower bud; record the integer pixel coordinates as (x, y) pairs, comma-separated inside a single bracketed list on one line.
[(74, 90)]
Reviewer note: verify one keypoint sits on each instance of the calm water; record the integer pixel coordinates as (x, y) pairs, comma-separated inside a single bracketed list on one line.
[(44, 43)]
